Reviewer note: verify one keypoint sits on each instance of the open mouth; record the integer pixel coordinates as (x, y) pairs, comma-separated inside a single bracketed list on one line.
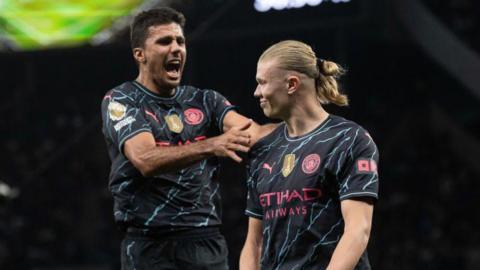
[(173, 68)]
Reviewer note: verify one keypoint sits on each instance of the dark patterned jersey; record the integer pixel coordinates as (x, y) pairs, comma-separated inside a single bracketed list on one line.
[(295, 185), (176, 200)]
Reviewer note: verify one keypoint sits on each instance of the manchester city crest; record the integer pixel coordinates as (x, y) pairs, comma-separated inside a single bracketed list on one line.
[(311, 163), (174, 123), (288, 164), (193, 116)]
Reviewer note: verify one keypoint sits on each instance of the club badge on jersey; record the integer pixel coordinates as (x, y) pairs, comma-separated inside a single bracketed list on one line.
[(288, 164), (311, 163), (193, 116), (174, 123)]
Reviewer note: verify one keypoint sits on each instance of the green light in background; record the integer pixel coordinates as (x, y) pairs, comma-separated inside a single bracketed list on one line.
[(33, 24)]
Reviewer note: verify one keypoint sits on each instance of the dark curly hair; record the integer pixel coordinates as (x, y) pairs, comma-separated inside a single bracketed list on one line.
[(145, 19)]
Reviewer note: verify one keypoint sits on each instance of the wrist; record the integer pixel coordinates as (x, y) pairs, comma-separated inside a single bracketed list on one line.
[(207, 146)]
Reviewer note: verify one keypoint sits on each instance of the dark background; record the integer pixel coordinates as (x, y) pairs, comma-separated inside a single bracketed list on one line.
[(424, 120)]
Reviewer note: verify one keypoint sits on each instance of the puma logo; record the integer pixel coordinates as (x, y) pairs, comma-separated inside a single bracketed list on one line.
[(152, 115), (268, 167)]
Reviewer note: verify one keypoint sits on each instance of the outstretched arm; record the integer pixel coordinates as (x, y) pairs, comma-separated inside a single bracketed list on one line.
[(357, 215), (251, 252), (256, 131), (150, 159)]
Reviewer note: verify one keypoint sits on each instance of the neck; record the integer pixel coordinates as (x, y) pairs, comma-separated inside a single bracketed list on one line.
[(152, 86), (305, 116)]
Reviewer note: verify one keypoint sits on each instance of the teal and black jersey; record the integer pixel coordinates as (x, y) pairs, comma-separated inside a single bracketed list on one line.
[(296, 184), (167, 201)]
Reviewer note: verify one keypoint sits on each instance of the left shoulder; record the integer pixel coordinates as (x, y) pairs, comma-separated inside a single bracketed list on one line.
[(195, 92), (352, 129), (188, 90), (194, 89)]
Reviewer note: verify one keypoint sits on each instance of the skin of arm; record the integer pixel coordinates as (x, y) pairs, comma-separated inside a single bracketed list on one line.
[(357, 215), (151, 159), (233, 119), (252, 249)]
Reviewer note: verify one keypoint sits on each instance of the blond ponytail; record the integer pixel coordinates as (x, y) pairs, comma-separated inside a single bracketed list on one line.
[(326, 83)]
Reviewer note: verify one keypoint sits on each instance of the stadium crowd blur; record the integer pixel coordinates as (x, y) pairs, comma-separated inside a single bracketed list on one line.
[(426, 124)]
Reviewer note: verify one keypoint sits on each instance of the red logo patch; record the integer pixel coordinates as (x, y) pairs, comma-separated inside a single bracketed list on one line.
[(193, 116), (366, 166), (311, 163)]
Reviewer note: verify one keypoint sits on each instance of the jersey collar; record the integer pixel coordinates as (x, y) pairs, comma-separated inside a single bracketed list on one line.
[(318, 129), (156, 96)]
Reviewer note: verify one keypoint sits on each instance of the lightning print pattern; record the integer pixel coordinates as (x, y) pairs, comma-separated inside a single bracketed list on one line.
[(187, 198), (295, 186)]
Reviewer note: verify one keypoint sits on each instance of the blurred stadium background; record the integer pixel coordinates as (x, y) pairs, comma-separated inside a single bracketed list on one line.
[(413, 79)]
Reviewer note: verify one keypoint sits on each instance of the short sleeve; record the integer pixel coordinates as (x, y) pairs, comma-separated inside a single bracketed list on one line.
[(254, 209), (122, 118), (359, 175), (219, 107)]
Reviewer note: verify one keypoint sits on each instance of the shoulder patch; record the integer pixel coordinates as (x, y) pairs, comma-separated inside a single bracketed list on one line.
[(366, 166), (116, 111)]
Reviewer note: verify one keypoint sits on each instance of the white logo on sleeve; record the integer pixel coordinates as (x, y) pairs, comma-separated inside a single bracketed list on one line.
[(116, 111), (124, 122)]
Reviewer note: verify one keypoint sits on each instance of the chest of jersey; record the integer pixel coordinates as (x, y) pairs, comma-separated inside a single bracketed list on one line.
[(297, 173), (176, 123)]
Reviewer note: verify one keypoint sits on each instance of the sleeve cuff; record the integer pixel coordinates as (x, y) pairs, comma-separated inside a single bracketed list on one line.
[(253, 214), (358, 195), (222, 116), (120, 144)]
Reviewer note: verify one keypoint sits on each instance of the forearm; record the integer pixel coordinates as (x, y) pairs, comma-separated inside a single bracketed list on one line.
[(171, 158), (349, 250), (250, 257)]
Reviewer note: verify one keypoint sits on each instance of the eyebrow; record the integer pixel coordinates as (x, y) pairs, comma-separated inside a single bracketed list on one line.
[(170, 37), (164, 38)]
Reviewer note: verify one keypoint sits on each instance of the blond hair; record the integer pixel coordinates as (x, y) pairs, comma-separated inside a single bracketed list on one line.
[(298, 56)]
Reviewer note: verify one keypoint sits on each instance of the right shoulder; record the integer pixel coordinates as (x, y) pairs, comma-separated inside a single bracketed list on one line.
[(125, 92), (268, 142)]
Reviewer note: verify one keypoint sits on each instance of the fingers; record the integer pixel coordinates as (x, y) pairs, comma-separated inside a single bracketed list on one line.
[(232, 148), (234, 140), (238, 147), (242, 141), (246, 125), (238, 136), (234, 156)]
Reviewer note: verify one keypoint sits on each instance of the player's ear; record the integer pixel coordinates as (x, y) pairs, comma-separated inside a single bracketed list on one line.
[(293, 84), (139, 55)]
